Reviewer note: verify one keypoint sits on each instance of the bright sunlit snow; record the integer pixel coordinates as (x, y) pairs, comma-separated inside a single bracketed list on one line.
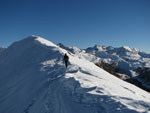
[(33, 79)]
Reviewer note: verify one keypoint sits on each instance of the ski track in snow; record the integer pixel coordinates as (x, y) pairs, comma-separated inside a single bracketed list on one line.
[(54, 103)]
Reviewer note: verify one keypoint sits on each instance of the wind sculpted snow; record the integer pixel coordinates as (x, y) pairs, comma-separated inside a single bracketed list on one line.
[(33, 79)]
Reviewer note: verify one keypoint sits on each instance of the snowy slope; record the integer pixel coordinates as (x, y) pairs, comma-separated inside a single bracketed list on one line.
[(128, 61), (33, 79)]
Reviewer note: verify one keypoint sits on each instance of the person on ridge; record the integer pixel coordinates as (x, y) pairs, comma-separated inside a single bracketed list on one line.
[(66, 59)]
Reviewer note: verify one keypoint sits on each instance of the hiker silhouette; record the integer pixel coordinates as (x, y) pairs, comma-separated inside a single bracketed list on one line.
[(66, 59)]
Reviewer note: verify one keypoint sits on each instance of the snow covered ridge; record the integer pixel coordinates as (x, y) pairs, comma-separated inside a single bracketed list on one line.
[(33, 79), (128, 61), (46, 42)]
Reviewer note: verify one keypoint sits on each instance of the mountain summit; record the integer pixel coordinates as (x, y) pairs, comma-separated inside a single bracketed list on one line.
[(33, 79)]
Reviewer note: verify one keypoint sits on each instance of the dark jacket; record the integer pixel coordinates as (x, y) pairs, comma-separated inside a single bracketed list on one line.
[(66, 58)]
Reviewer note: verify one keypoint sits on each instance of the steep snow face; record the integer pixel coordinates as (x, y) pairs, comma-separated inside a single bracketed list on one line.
[(45, 42), (33, 79), (127, 48)]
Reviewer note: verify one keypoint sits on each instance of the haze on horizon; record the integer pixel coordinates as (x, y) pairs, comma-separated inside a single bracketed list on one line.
[(81, 23)]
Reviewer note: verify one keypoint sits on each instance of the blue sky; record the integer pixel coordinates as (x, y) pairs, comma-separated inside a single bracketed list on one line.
[(80, 23)]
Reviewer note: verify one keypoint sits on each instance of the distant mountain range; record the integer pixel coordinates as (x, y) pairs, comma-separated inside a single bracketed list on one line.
[(126, 57)]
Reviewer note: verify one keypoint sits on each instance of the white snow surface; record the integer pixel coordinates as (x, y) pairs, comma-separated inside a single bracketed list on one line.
[(33, 79)]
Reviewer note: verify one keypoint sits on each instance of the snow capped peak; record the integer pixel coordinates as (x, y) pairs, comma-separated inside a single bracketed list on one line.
[(96, 46), (45, 42), (42, 40), (32, 36), (110, 48), (127, 48), (30, 41), (135, 49), (99, 48)]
